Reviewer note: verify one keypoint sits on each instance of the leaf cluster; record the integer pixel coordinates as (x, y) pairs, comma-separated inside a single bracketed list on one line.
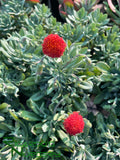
[(38, 92)]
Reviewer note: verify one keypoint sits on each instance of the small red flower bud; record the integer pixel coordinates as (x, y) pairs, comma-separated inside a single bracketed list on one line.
[(68, 3), (33, 1), (53, 46), (74, 124)]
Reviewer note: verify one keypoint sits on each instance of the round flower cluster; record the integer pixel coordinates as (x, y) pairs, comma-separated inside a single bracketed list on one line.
[(53, 46), (74, 124)]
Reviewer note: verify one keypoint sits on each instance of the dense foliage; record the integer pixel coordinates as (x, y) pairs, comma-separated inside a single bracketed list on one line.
[(39, 92)]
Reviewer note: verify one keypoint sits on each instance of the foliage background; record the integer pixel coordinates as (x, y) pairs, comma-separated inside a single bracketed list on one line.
[(38, 93)]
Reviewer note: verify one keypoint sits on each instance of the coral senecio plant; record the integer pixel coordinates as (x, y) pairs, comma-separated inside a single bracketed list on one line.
[(61, 108)]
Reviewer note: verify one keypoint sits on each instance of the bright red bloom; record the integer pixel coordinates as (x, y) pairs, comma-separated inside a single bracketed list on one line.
[(74, 124), (33, 1), (53, 46)]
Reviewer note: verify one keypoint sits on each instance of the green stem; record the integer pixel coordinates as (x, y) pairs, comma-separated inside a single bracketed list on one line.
[(75, 138)]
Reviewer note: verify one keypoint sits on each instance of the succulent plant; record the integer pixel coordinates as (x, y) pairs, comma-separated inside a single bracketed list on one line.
[(12, 19), (67, 6), (113, 10), (41, 96)]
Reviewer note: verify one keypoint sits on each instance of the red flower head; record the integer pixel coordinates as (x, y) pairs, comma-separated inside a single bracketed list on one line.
[(33, 1), (74, 124), (53, 46)]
